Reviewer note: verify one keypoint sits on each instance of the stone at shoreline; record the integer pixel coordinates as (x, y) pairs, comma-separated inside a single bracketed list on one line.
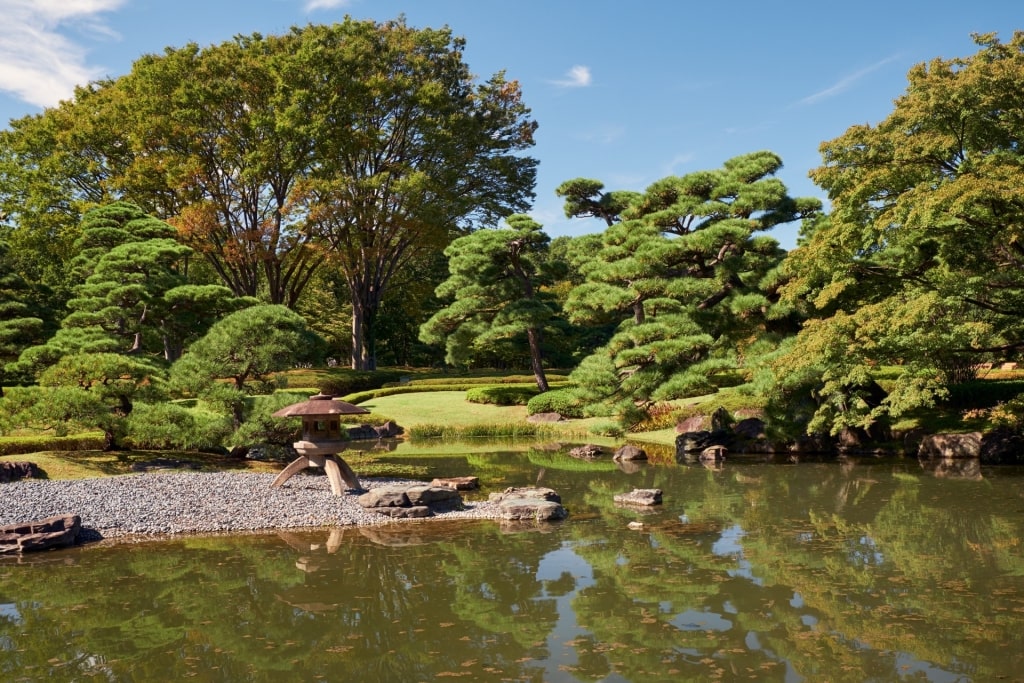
[(53, 532), (951, 446), (639, 497), (412, 512), (537, 418), (535, 503), (458, 483), (534, 492), (410, 501), (12, 470), (587, 452), (629, 453), (388, 430)]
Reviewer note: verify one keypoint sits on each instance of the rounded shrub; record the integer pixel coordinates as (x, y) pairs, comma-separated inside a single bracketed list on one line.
[(166, 426), (565, 402)]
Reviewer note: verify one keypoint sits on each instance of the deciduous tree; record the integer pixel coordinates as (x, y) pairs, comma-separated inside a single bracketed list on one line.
[(921, 262)]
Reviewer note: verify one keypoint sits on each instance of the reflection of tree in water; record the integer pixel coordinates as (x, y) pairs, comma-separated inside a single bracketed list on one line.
[(892, 571)]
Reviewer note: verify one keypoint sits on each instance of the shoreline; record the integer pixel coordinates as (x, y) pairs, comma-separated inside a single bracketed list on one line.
[(151, 505)]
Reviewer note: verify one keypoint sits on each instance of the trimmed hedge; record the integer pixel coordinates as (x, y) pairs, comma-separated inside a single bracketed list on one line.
[(358, 380), (502, 396), (19, 445)]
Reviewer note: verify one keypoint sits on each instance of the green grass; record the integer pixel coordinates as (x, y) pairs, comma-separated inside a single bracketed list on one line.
[(93, 464)]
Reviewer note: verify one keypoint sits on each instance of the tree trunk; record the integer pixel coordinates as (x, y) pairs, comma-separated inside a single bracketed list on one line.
[(536, 359)]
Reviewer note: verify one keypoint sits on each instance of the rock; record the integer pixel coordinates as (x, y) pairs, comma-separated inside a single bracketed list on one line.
[(588, 452), (531, 492), (639, 497), (696, 442), (52, 532), (628, 453), (950, 446), (363, 432), (635, 525), (11, 470), (433, 495), (713, 454), (1002, 447), (458, 483), (411, 512), (750, 428), (531, 509), (697, 423), (385, 496), (402, 501), (545, 417)]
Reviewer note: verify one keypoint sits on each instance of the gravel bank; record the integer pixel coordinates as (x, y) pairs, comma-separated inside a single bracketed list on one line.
[(193, 502)]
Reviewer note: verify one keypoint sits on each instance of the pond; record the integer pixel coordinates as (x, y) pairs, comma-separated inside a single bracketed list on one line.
[(862, 570)]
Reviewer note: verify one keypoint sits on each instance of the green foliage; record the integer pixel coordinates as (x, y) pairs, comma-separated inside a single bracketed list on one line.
[(168, 426), (566, 402), (688, 275), (260, 427), (502, 395), (19, 327), (349, 381), (495, 284), (984, 393), (607, 428)]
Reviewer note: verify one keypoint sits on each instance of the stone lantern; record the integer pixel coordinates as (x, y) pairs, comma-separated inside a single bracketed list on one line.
[(322, 439)]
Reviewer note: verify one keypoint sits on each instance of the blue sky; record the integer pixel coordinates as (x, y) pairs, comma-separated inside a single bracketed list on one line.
[(624, 92)]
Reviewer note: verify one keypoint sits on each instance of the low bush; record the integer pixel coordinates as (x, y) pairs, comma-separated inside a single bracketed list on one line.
[(345, 382), (566, 402), (20, 445), (984, 393), (169, 426), (502, 395), (607, 428)]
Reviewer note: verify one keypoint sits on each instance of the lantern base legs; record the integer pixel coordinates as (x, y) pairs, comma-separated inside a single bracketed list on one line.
[(337, 470)]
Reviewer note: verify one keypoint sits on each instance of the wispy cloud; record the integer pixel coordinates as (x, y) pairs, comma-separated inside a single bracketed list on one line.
[(577, 77), (314, 5), (38, 64), (846, 82)]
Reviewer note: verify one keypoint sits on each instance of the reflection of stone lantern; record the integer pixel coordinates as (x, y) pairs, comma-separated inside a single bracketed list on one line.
[(322, 439)]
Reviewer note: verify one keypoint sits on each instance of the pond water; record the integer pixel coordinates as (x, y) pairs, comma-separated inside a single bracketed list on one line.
[(858, 571)]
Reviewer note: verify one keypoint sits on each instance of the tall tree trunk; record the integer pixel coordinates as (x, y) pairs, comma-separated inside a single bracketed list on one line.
[(533, 335), (357, 335)]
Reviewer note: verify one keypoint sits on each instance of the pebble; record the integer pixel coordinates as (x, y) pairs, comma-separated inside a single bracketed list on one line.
[(198, 502)]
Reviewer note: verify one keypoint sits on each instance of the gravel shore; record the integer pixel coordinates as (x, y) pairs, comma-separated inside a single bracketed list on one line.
[(192, 502)]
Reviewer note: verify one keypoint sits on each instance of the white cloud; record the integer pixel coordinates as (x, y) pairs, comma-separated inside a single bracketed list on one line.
[(844, 83), (314, 5), (577, 77), (38, 64)]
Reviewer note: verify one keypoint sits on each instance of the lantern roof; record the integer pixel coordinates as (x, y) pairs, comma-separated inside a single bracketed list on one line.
[(321, 404)]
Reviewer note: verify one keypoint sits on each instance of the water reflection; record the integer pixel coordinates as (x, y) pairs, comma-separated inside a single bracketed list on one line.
[(852, 571)]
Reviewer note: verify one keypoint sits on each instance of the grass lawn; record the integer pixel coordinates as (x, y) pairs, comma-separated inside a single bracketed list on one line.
[(444, 407), (90, 464)]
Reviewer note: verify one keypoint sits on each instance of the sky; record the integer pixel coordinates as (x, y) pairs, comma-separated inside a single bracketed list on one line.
[(625, 93)]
